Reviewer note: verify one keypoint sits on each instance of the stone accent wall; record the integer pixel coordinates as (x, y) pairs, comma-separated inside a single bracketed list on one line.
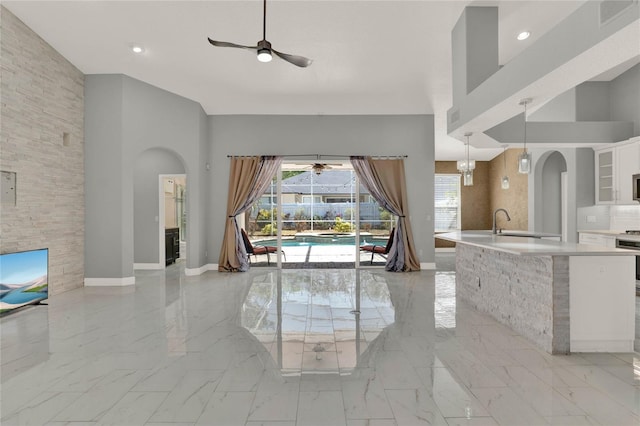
[(42, 141), (530, 294)]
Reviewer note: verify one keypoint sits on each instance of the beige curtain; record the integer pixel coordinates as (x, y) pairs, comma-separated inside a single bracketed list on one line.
[(385, 180), (249, 178)]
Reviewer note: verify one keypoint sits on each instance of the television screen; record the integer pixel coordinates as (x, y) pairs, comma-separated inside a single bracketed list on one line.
[(23, 278)]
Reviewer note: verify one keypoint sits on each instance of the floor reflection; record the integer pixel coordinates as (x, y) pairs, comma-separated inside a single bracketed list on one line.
[(317, 320), (288, 348)]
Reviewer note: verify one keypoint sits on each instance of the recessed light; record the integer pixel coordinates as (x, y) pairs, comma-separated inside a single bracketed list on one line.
[(137, 49), (523, 35)]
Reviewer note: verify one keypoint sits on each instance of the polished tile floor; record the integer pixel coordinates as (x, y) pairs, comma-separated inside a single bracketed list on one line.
[(296, 347)]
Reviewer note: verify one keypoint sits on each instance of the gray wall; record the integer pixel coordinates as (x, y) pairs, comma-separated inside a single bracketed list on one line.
[(585, 177), (552, 195), (474, 46), (328, 135), (560, 108), (103, 179), (558, 48), (580, 178), (592, 101), (149, 165), (126, 117), (625, 98), (42, 98), (615, 100)]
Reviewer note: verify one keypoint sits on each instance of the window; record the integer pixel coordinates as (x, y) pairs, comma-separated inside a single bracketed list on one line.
[(339, 200), (306, 199), (447, 202)]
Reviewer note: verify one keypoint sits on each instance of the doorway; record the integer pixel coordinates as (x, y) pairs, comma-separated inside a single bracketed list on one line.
[(318, 216), (172, 230), (553, 198)]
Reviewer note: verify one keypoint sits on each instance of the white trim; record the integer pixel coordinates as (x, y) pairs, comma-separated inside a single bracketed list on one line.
[(161, 216), (162, 260), (201, 270), (601, 345), (148, 266), (357, 203), (445, 249), (109, 282), (431, 265), (278, 217)]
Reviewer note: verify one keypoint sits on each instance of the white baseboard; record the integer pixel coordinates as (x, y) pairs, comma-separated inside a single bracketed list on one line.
[(445, 250), (148, 266), (601, 345), (201, 270), (427, 265), (109, 282)]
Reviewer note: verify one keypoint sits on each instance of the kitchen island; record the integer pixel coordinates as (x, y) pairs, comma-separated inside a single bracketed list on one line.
[(564, 297)]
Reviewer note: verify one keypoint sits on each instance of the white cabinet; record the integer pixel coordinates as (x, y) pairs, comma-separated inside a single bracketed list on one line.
[(605, 180), (614, 167), (597, 239), (628, 159)]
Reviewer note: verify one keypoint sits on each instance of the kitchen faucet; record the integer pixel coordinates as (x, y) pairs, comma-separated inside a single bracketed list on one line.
[(493, 228)]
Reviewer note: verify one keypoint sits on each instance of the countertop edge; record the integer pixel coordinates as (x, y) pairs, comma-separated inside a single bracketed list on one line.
[(493, 242)]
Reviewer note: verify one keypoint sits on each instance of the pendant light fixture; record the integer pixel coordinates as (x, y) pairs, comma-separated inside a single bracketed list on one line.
[(466, 166), (524, 159), (505, 177)]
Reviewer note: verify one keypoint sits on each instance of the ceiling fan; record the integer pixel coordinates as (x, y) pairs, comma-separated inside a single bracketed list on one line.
[(318, 168), (264, 47)]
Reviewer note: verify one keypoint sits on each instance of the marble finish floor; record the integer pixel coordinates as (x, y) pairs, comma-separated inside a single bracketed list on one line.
[(295, 347)]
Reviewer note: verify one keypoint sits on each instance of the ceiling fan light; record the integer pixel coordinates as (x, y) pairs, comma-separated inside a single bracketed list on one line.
[(317, 168), (264, 55)]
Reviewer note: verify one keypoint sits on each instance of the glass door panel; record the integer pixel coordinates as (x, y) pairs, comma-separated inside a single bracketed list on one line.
[(375, 224), (261, 226)]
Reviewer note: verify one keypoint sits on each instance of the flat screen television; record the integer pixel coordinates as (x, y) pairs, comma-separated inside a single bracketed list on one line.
[(23, 278)]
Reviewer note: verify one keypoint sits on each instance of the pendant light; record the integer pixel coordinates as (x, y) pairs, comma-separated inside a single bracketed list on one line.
[(524, 159), (505, 178), (466, 166)]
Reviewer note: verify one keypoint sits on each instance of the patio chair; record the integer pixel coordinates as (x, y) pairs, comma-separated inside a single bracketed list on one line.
[(379, 249), (258, 249)]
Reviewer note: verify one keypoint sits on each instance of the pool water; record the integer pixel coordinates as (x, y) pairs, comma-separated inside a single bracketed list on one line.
[(311, 241)]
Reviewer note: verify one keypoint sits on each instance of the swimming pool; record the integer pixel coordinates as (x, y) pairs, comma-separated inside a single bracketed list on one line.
[(307, 240)]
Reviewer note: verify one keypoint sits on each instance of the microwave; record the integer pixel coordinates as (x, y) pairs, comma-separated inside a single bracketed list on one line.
[(636, 187)]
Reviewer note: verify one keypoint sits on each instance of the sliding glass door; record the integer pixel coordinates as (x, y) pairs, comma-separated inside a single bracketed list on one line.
[(318, 217)]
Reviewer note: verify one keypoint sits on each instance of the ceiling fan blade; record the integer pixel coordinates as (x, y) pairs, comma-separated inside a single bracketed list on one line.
[(299, 61), (227, 44)]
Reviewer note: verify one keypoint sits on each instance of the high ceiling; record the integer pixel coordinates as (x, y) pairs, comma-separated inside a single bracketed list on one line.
[(370, 57)]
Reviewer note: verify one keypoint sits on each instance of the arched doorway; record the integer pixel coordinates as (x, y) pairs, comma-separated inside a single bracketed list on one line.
[(148, 224), (553, 207)]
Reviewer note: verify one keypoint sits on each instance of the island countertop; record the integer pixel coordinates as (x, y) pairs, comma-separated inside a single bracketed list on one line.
[(526, 246)]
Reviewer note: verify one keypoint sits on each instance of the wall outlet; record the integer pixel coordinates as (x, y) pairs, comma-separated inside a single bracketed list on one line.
[(591, 219)]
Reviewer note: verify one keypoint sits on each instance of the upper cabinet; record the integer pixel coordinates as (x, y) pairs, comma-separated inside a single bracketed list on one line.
[(615, 165)]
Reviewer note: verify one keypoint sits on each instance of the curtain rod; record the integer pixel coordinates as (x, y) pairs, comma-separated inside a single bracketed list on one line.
[(320, 156)]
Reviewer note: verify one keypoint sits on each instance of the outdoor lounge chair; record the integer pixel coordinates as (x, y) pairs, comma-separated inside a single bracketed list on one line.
[(380, 249), (257, 249)]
